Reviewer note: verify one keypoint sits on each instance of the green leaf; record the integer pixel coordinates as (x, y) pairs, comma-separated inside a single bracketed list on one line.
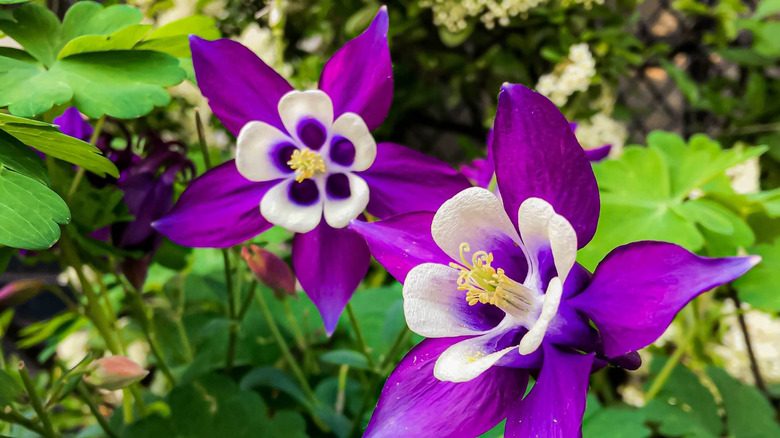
[(748, 414), (49, 140), (687, 85), (372, 308), (90, 18), (173, 38), (9, 389), (770, 200), (106, 80), (29, 212), (16, 156), (602, 424), (215, 406), (758, 287), (37, 29), (766, 8), (123, 39), (346, 357), (683, 406), (645, 195), (273, 378)]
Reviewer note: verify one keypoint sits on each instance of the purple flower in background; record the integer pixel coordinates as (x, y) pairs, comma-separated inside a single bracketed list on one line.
[(495, 287), (306, 161), (481, 170), (147, 183)]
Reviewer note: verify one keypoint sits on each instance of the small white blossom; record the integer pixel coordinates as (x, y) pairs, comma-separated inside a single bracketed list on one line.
[(571, 75), (745, 176), (601, 130)]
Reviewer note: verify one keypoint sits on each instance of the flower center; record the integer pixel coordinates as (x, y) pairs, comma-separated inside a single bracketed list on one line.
[(306, 163), (487, 285)]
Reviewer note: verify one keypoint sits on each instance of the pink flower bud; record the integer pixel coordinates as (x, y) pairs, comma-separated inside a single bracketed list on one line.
[(271, 270), (114, 372), (17, 292)]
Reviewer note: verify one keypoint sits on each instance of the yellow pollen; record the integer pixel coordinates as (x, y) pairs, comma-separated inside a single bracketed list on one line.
[(306, 163), (487, 285)]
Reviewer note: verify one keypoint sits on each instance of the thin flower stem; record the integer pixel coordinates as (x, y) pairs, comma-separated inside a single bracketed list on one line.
[(85, 396), (665, 372), (402, 339), (80, 173), (359, 335), (204, 149), (35, 401), (247, 301), (94, 309), (14, 417), (748, 343), (232, 290), (147, 328), (179, 314), (284, 347)]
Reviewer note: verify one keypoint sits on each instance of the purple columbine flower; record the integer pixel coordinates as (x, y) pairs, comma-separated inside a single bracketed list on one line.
[(481, 170), (147, 183), (495, 287), (306, 161)]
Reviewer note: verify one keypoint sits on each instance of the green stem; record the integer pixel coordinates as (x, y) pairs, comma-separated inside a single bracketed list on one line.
[(35, 401), (94, 310), (284, 347), (138, 398), (247, 301), (234, 325), (80, 173), (87, 399), (402, 339), (665, 372), (14, 417), (204, 149), (359, 335), (147, 328)]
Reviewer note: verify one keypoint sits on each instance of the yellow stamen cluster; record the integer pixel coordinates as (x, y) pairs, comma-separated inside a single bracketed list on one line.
[(487, 285), (306, 163)]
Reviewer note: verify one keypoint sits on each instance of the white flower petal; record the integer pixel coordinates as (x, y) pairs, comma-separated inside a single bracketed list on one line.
[(433, 305), (296, 106), (258, 152), (467, 359), (541, 227), (277, 208), (338, 212), (352, 127), (474, 216), (552, 299)]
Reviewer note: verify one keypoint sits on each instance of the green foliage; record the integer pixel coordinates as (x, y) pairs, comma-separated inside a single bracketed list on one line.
[(215, 406), (759, 286), (10, 390), (50, 141), (683, 406), (748, 414), (668, 191), (99, 59), (29, 211)]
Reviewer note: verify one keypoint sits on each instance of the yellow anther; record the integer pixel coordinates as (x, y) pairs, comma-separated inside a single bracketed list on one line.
[(488, 285), (306, 163)]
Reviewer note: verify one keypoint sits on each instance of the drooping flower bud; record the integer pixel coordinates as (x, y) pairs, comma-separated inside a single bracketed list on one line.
[(114, 372), (271, 270), (19, 291)]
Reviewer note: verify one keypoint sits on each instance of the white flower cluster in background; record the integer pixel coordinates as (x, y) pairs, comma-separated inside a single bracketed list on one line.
[(745, 176), (764, 332), (588, 4), (571, 75), (455, 14), (262, 41), (601, 130)]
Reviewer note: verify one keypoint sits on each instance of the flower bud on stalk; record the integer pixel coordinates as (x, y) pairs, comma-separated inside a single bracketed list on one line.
[(271, 270), (114, 372)]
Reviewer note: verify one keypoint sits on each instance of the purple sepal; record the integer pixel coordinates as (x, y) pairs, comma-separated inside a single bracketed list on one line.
[(402, 242), (555, 405), (414, 403), (73, 124), (403, 180), (240, 87), (359, 76), (638, 289), (598, 153), (537, 155), (330, 263), (221, 208)]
